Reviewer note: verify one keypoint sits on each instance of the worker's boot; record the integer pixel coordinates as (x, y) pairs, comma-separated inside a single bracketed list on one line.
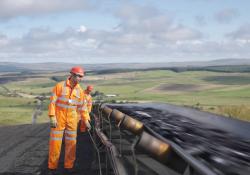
[(52, 172), (70, 171)]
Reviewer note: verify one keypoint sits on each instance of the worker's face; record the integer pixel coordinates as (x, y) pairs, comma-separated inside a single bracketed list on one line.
[(77, 78)]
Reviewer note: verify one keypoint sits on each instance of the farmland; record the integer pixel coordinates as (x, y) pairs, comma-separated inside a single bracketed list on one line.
[(224, 93)]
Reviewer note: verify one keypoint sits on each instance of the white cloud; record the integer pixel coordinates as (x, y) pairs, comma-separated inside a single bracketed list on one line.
[(181, 33), (143, 24), (142, 19), (242, 33), (226, 15), (3, 40), (144, 33), (70, 45), (82, 29), (13, 8)]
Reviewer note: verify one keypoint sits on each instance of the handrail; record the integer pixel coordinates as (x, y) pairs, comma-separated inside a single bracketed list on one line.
[(117, 165)]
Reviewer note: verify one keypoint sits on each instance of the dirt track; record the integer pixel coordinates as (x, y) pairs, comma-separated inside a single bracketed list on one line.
[(24, 151)]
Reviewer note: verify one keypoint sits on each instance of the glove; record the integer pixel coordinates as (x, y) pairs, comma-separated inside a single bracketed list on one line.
[(82, 126), (53, 122), (88, 125)]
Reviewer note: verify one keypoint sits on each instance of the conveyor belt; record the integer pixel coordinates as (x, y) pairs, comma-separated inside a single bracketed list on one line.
[(220, 143)]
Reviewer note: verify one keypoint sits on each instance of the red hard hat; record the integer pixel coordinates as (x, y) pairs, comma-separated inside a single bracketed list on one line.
[(77, 70), (90, 88)]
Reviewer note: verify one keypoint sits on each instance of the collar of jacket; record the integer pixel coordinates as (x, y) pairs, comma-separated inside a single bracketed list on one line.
[(68, 84)]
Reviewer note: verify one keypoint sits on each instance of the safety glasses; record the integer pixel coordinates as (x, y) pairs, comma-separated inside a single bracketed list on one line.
[(77, 75)]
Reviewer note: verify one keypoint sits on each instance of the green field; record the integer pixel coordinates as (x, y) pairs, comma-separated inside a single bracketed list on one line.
[(222, 93)]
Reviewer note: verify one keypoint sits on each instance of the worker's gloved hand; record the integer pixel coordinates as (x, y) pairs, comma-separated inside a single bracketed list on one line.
[(88, 125), (53, 122)]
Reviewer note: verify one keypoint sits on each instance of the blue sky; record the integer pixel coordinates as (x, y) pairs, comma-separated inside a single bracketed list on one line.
[(97, 31)]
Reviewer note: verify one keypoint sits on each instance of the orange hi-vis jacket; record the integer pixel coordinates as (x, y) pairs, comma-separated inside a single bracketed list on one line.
[(65, 103), (88, 101)]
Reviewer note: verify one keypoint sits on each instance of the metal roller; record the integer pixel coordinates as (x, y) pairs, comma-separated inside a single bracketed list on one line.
[(161, 151), (117, 116), (133, 125), (106, 111), (155, 147)]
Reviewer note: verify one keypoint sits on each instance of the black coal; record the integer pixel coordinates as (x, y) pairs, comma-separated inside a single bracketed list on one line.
[(223, 152)]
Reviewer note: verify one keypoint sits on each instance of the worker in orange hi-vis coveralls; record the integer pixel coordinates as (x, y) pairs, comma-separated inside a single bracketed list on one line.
[(88, 101), (66, 101)]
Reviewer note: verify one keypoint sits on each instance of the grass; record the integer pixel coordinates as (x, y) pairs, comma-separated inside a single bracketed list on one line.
[(215, 92), (32, 86), (16, 110), (235, 111), (229, 80)]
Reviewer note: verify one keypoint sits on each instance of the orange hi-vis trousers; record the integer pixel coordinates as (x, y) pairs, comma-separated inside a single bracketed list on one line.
[(67, 127)]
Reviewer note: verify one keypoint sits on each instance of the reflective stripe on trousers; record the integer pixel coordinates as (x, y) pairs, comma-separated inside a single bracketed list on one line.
[(55, 148), (55, 143)]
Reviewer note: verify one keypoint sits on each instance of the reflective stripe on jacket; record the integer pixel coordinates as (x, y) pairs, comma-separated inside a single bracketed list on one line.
[(65, 98)]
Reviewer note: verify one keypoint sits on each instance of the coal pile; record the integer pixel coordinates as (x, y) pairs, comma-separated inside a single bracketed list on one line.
[(221, 151)]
